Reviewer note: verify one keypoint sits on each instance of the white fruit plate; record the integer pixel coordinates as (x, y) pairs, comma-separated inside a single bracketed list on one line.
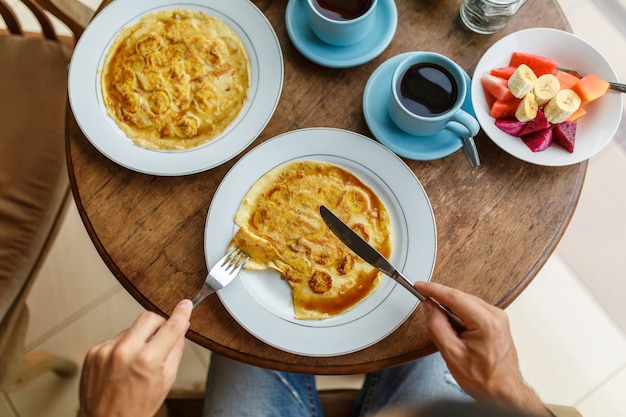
[(595, 129)]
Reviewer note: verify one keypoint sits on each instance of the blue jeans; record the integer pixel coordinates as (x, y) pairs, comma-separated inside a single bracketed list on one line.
[(237, 389)]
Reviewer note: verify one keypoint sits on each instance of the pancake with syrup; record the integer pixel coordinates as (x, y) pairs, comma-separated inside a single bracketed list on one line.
[(280, 228)]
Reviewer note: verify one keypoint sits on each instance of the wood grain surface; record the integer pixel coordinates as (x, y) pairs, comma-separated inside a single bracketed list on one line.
[(496, 225)]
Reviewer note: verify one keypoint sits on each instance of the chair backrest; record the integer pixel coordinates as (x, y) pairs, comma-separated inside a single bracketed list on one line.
[(33, 179), (74, 14)]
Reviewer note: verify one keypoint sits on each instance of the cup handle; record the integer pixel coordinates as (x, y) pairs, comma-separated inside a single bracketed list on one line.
[(463, 124)]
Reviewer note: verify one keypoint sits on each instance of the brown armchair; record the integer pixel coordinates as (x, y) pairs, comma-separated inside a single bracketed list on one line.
[(34, 187)]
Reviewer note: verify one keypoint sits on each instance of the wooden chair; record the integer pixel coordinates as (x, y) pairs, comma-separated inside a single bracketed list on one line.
[(335, 403), (34, 187)]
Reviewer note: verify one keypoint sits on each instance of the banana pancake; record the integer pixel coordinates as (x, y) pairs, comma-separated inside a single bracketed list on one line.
[(280, 227), (176, 79)]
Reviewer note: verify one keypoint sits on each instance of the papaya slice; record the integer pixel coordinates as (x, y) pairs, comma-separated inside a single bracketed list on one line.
[(566, 79), (590, 88), (577, 115), (539, 64)]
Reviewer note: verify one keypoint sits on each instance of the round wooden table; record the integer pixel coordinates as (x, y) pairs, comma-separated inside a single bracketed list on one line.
[(496, 224)]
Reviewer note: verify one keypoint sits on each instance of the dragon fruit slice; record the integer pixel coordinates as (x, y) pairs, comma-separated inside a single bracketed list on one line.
[(564, 134), (510, 125), (540, 122), (538, 141)]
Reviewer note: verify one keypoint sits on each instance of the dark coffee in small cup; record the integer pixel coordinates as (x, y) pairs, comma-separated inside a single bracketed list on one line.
[(427, 90), (342, 9)]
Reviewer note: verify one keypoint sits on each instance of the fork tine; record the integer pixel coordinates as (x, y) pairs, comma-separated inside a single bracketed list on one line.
[(236, 260), (229, 255), (222, 273)]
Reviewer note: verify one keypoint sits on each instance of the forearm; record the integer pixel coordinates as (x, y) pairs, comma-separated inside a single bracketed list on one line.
[(483, 358), (524, 399)]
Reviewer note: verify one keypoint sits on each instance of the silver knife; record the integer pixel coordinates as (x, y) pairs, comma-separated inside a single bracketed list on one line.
[(355, 242)]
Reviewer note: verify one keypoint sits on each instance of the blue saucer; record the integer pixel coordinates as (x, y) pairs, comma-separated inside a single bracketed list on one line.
[(375, 107), (332, 56)]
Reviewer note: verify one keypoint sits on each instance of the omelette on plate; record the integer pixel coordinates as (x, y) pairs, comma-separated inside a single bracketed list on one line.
[(176, 79), (280, 227)]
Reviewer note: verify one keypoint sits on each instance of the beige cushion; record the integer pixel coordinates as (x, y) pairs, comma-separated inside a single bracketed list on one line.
[(33, 82)]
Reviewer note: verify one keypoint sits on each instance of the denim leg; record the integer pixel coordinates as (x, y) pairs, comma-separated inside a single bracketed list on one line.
[(237, 389), (415, 383)]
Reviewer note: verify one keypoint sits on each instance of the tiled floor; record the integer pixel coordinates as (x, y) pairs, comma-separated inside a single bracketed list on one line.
[(569, 325)]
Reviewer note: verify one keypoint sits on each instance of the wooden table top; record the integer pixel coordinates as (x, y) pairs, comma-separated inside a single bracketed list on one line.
[(496, 224)]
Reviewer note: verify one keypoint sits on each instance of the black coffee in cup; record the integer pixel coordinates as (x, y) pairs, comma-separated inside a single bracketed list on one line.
[(342, 9), (427, 90)]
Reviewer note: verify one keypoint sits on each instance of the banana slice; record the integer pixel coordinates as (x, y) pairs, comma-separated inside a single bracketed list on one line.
[(522, 81), (547, 86), (527, 108), (561, 106)]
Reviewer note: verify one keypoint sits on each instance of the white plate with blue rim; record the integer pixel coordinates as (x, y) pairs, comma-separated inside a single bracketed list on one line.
[(376, 98), (332, 56), (261, 301), (266, 76)]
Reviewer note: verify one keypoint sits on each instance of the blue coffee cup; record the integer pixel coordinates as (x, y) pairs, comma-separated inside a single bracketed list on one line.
[(427, 92), (338, 30)]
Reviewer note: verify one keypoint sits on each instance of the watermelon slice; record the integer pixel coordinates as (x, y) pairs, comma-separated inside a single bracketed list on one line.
[(510, 125), (503, 72), (497, 87), (538, 141), (539, 64), (564, 134), (540, 122), (504, 108)]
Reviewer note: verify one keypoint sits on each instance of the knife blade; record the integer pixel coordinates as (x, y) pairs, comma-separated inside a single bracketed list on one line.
[(370, 255)]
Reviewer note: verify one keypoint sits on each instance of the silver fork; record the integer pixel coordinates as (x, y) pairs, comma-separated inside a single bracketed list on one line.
[(222, 273)]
